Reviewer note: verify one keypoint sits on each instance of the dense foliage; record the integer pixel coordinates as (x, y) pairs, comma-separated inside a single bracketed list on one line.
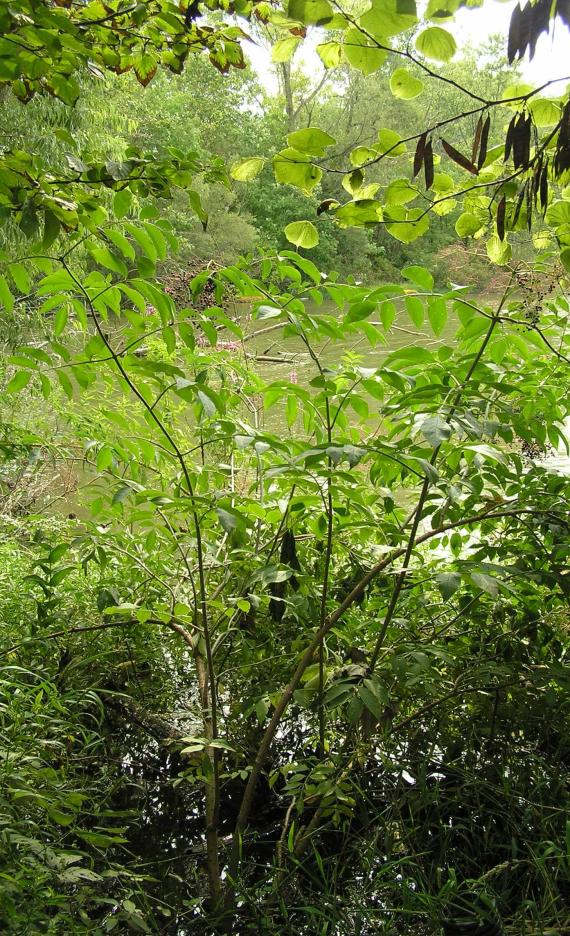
[(284, 588)]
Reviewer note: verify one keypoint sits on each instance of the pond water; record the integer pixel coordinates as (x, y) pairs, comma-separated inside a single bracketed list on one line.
[(279, 358)]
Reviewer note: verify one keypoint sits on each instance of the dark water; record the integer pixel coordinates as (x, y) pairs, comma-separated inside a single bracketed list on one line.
[(297, 360)]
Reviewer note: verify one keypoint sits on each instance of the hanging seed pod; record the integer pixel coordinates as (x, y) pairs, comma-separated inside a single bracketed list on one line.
[(536, 178), (484, 143), (459, 158), (521, 142), (562, 156), (419, 154), (526, 26), (509, 138), (515, 43), (501, 210), (529, 208), (539, 16), (543, 189), (428, 164)]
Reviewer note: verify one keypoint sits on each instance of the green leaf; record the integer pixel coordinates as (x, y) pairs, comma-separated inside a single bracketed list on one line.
[(195, 203), (310, 12), (415, 309), (294, 168), (558, 213), (387, 314), (389, 143), (436, 430), (330, 54), (374, 696), (145, 68), (64, 88), (565, 258), (362, 155), (208, 399), (400, 192), (437, 315), (262, 707), (60, 320), (389, 18), (19, 381), (307, 266), (291, 409), (56, 815), (420, 276), (46, 386), (247, 169), (354, 710), (65, 383), (311, 140), (100, 839), (302, 234), (284, 49), (404, 85), (52, 226), (359, 405), (436, 43), (516, 90), (122, 203), (6, 297), (545, 113), (486, 582), (359, 311), (20, 276), (468, 224), (186, 332), (358, 213), (104, 458), (413, 224), (230, 519), (448, 583), (121, 243), (443, 183), (144, 241), (498, 251), (361, 52)]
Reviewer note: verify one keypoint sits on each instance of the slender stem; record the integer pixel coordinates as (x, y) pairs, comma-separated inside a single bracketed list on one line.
[(208, 692)]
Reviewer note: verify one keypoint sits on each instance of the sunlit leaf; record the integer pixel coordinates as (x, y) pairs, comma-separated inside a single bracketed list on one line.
[(404, 85), (436, 43)]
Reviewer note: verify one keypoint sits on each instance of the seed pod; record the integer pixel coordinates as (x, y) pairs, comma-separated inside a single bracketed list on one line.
[(428, 164), (419, 154), (562, 156), (544, 188), (501, 209), (529, 208), (521, 142), (509, 138), (484, 143), (459, 158), (515, 26)]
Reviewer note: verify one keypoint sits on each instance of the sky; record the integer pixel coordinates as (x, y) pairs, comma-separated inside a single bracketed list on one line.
[(470, 26)]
